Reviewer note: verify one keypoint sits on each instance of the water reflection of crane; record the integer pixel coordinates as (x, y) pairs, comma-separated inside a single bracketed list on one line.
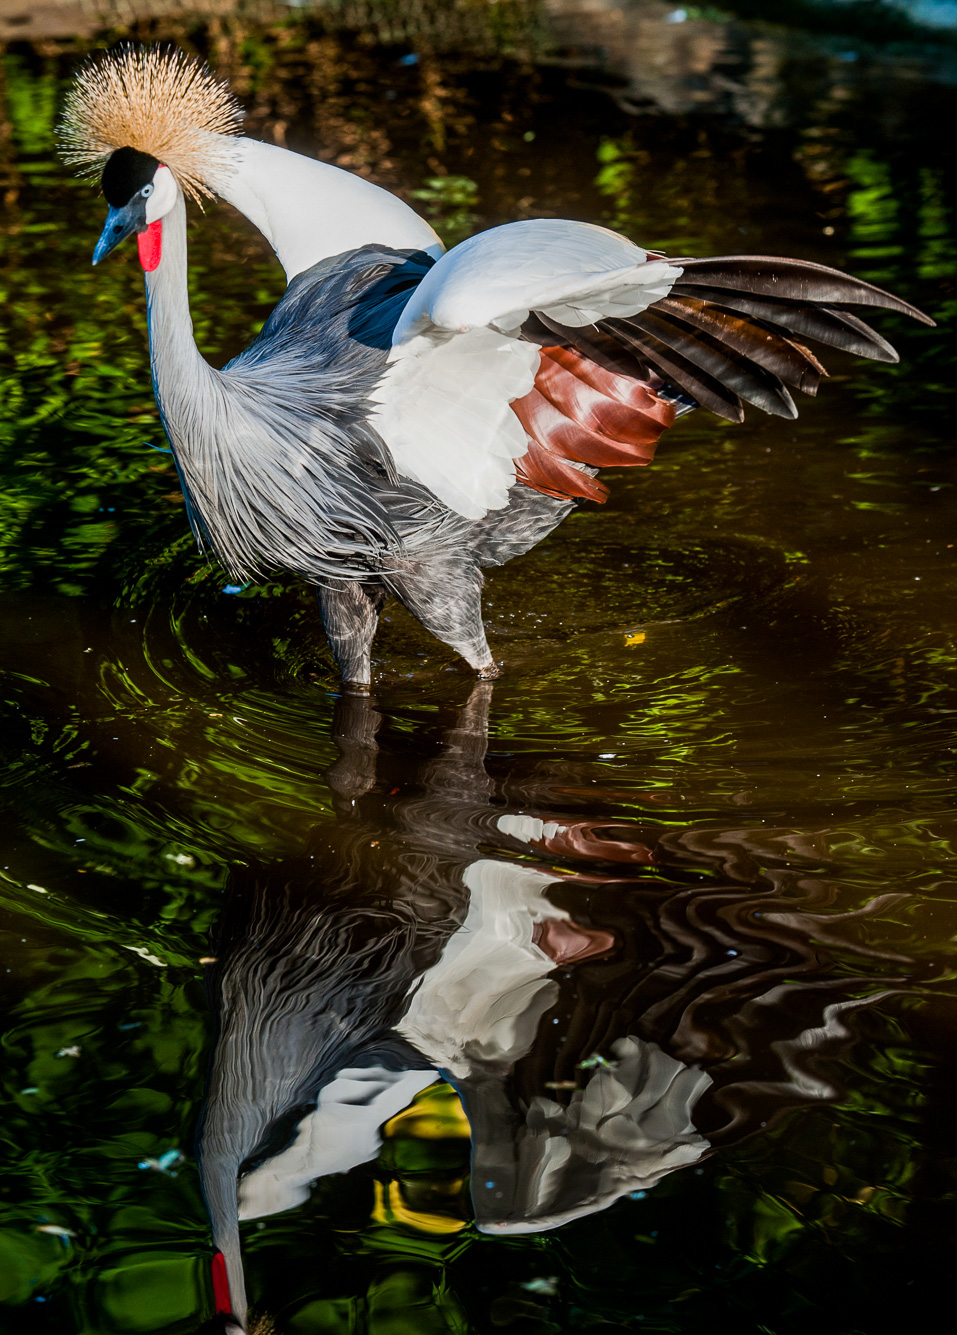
[(604, 1023), (407, 417)]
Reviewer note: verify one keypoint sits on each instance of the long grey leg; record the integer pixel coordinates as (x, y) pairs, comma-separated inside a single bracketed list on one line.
[(350, 614), (445, 594)]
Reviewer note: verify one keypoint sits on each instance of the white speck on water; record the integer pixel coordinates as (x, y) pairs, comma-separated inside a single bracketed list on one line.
[(145, 955)]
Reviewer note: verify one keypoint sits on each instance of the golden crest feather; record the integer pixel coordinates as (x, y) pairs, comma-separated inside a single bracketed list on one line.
[(162, 102)]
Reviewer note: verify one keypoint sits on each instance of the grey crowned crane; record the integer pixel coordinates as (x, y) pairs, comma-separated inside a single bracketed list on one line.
[(408, 416)]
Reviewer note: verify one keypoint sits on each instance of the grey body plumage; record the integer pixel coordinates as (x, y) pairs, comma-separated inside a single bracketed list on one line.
[(282, 470)]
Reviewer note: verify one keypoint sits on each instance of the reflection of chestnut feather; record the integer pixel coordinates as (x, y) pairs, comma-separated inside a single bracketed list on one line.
[(688, 971)]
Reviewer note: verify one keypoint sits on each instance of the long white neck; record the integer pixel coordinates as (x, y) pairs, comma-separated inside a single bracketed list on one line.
[(309, 210), (182, 380)]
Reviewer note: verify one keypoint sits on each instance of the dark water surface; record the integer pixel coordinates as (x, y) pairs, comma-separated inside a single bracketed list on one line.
[(674, 899)]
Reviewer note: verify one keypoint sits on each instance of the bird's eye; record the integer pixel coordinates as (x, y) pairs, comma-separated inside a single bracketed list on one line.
[(147, 190)]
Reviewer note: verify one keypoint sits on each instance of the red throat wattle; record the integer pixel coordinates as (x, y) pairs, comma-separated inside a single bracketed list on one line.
[(150, 246)]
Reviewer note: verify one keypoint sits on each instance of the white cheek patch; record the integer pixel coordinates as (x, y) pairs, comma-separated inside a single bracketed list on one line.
[(164, 195)]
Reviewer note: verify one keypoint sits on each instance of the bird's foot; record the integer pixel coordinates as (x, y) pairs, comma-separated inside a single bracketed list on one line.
[(490, 671)]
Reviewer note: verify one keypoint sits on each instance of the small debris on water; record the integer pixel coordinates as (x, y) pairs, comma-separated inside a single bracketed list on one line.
[(73, 1051), (546, 1284), (56, 1231), (144, 954), (166, 1163)]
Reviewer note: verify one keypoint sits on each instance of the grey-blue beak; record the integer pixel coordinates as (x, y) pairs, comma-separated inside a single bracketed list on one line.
[(120, 223)]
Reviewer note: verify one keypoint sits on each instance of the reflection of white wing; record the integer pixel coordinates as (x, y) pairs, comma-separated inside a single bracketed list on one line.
[(626, 1130), (482, 1002), (457, 363), (343, 1131)]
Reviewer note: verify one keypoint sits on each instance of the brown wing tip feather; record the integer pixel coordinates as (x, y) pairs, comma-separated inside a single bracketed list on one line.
[(801, 280)]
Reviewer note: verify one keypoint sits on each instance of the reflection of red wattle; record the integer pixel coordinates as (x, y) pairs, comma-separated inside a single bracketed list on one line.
[(150, 246), (565, 942), (220, 1282)]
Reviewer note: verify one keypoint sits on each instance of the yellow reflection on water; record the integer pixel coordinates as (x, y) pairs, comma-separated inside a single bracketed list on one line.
[(424, 1194)]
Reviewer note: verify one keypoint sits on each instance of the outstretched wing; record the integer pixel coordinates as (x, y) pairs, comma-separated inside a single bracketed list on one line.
[(459, 359), (547, 349), (729, 332)]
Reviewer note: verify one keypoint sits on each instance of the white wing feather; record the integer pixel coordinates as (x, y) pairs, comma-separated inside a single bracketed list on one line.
[(456, 362)]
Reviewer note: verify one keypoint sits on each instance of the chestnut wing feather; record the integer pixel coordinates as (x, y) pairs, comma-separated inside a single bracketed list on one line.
[(727, 332)]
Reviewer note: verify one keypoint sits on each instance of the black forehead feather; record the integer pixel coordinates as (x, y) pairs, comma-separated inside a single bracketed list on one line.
[(126, 172)]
